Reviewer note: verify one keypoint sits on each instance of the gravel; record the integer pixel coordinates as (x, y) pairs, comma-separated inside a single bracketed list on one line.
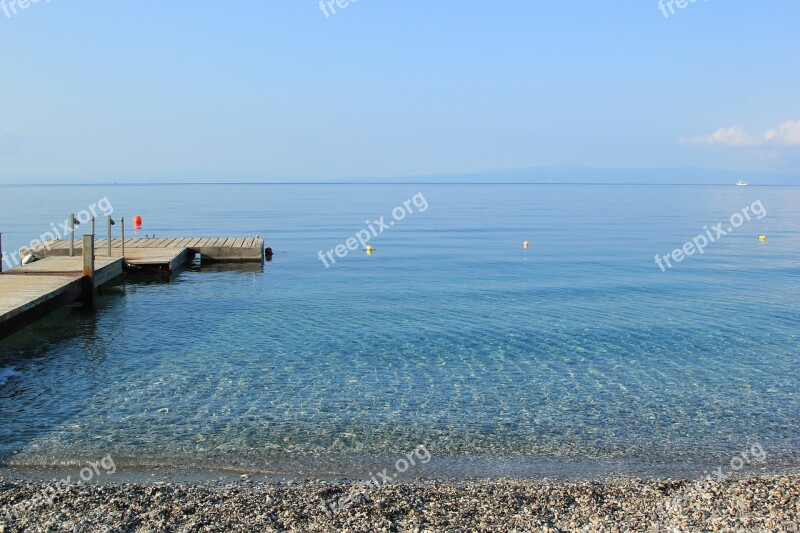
[(621, 504)]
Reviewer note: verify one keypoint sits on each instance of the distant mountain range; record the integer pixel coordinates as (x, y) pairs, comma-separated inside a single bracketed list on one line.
[(585, 174)]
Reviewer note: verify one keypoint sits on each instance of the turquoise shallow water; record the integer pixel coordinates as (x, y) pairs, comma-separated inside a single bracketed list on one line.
[(578, 350)]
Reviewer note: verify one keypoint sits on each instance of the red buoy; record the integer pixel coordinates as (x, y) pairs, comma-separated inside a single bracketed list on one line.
[(137, 222), (268, 251)]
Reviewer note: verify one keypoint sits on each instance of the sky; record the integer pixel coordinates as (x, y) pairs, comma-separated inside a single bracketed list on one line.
[(283, 90)]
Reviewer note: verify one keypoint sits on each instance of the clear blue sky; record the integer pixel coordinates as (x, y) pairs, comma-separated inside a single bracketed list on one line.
[(275, 90)]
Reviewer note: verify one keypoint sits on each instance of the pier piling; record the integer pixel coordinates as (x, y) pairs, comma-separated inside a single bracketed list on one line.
[(72, 234), (108, 234), (88, 272)]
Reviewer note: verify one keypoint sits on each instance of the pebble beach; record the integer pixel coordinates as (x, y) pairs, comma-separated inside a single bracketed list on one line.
[(622, 504)]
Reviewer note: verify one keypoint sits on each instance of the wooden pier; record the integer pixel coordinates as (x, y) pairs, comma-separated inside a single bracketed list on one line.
[(57, 278), (169, 252)]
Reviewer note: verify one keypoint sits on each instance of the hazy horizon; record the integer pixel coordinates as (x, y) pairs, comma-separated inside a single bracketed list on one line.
[(546, 175)]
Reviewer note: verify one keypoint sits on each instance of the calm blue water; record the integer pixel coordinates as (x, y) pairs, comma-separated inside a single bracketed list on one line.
[(578, 350)]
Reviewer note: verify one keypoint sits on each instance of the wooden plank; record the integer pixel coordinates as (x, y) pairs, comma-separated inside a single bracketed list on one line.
[(238, 243), (165, 243), (21, 293), (132, 243), (170, 258), (141, 242), (48, 245), (61, 265), (152, 254)]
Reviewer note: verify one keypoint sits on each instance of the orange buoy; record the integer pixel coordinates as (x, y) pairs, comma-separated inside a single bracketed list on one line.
[(137, 222), (525, 244)]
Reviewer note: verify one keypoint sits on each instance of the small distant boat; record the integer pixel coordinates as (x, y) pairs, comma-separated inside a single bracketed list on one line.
[(741, 183)]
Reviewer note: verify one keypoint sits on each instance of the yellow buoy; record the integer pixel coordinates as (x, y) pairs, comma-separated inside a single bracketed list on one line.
[(762, 237), (369, 248)]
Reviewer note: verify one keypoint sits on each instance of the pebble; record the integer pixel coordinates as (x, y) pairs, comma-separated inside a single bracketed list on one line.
[(617, 504)]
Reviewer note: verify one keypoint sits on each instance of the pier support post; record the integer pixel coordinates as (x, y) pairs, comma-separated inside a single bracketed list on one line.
[(2, 257), (88, 271), (108, 234), (122, 235), (72, 234)]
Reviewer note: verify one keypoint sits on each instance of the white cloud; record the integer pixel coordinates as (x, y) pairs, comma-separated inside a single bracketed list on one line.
[(786, 134)]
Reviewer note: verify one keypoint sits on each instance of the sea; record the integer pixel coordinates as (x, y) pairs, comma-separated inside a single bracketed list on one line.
[(399, 317)]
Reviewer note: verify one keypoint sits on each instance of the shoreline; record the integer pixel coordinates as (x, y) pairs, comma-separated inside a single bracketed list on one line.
[(129, 469), (754, 503), (196, 475)]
